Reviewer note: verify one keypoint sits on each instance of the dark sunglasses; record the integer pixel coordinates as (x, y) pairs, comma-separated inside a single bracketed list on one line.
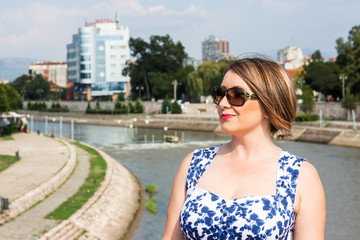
[(236, 96)]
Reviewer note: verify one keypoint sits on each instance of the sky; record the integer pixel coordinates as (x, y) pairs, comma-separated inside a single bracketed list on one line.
[(41, 29)]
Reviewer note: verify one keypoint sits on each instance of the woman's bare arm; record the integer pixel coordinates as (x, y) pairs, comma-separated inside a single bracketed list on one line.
[(177, 198), (311, 212)]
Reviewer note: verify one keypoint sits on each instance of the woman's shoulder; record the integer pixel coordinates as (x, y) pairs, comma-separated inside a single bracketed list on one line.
[(307, 171), (290, 159)]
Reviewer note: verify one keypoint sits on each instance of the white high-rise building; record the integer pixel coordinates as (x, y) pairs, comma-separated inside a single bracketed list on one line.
[(96, 58)]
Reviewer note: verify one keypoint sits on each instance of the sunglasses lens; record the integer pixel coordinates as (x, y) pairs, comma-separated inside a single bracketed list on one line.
[(236, 96), (217, 93)]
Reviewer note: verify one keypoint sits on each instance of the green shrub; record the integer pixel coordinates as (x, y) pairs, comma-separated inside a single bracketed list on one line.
[(151, 188), (306, 117), (121, 97), (120, 107), (131, 107), (175, 107), (165, 103), (9, 129), (151, 207), (138, 107)]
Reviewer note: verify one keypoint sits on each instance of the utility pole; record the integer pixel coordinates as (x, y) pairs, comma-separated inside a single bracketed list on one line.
[(175, 83), (343, 77)]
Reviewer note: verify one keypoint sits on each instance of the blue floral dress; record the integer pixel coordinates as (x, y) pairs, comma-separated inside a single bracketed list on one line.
[(205, 215)]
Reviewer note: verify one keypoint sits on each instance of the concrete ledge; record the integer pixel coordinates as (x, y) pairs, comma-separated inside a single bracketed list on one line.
[(347, 138), (29, 199), (318, 135), (110, 213)]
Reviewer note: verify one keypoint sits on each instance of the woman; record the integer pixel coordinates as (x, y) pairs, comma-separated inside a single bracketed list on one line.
[(248, 188)]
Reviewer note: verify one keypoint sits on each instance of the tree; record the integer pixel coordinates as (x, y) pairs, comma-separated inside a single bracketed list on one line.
[(4, 104), (194, 84), (349, 58), (158, 63), (19, 84), (322, 76), (211, 73), (14, 99), (308, 99), (37, 88)]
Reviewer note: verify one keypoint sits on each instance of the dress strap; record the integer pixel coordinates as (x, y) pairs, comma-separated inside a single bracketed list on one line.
[(201, 159), (289, 168)]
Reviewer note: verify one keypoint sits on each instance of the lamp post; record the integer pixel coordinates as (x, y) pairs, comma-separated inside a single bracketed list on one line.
[(39, 92), (302, 82), (343, 77), (140, 89), (23, 92), (175, 83)]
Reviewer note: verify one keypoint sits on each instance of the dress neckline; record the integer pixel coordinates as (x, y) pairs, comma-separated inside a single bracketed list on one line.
[(244, 198)]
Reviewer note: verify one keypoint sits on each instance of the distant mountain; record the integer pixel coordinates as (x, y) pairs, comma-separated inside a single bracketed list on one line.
[(11, 68)]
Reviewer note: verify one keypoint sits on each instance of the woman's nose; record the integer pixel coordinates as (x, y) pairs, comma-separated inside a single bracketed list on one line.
[(224, 103)]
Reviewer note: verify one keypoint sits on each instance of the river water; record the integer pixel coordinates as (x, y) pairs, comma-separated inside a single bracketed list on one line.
[(153, 161)]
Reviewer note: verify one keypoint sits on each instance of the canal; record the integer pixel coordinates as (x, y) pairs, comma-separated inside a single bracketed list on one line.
[(152, 161)]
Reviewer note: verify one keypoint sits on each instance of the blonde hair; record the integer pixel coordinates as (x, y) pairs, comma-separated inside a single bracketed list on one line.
[(274, 87)]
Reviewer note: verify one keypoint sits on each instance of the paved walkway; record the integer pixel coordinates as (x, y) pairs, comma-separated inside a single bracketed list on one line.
[(34, 167), (32, 224)]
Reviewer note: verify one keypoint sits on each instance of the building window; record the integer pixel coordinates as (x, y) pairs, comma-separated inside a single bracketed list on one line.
[(85, 75), (85, 58), (84, 49), (85, 67)]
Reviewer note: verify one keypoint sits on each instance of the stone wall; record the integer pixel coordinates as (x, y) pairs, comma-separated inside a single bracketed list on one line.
[(330, 110)]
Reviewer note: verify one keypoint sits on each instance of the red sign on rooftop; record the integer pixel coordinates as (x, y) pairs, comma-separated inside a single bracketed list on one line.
[(99, 21)]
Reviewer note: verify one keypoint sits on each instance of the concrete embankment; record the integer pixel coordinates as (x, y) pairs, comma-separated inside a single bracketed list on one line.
[(46, 167), (110, 214), (333, 132), (339, 133)]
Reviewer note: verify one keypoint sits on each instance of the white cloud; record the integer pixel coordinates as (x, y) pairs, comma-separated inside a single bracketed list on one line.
[(281, 7), (192, 10), (160, 8), (122, 7)]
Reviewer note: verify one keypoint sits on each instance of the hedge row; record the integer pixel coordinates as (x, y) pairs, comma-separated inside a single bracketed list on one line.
[(306, 117)]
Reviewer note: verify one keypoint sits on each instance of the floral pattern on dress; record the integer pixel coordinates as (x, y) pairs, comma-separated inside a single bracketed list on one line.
[(205, 215)]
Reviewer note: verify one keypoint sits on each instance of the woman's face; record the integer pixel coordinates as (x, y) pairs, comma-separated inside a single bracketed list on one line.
[(246, 118)]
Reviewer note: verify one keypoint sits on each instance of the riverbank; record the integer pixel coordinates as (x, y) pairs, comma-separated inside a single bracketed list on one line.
[(339, 133), (50, 171)]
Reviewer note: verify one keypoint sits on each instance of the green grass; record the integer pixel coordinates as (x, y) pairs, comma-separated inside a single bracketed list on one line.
[(7, 137), (6, 161), (86, 191)]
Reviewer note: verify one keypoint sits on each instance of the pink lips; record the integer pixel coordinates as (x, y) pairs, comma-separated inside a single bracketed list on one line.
[(227, 116)]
